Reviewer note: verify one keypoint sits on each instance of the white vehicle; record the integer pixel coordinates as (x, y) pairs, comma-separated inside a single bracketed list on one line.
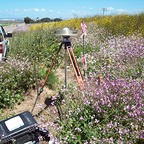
[(4, 43)]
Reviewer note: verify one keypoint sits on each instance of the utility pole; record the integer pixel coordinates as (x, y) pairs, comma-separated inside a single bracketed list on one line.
[(104, 9)]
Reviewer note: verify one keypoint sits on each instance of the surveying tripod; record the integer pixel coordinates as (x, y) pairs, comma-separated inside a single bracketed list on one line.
[(68, 47)]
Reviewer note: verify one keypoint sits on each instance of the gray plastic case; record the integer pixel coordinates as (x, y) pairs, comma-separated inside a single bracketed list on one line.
[(17, 126)]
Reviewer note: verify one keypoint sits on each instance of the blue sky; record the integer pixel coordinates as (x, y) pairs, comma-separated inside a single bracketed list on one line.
[(66, 9)]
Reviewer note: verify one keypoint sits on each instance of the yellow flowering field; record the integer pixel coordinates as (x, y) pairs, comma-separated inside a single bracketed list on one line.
[(117, 24)]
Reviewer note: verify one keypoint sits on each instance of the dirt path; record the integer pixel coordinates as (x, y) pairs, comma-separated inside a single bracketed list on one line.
[(30, 97), (16, 27)]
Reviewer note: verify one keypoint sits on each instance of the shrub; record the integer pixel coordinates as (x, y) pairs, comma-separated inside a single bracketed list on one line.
[(52, 78), (16, 78), (38, 46)]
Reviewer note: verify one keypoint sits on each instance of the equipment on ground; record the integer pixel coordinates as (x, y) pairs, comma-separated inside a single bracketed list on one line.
[(21, 129)]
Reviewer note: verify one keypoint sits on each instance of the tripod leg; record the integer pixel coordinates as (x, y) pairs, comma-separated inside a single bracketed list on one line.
[(75, 67), (52, 64), (65, 57), (71, 50)]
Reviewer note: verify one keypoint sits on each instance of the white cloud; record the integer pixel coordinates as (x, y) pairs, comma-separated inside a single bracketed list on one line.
[(26, 10), (7, 11), (34, 10), (51, 11), (58, 12), (139, 11), (90, 8), (16, 10), (38, 10), (110, 8), (73, 11), (43, 9), (120, 11)]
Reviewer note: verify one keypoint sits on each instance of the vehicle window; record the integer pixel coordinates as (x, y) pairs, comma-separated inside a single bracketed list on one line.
[(1, 36), (3, 31)]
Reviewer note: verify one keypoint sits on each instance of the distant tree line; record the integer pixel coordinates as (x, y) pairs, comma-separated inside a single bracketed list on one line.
[(28, 20)]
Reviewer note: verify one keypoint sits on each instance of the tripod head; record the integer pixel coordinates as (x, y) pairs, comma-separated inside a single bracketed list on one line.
[(65, 33)]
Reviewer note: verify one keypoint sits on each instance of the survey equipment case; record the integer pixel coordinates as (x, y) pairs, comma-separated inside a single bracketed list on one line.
[(19, 129)]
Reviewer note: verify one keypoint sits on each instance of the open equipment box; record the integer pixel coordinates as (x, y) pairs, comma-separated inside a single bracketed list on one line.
[(21, 129)]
